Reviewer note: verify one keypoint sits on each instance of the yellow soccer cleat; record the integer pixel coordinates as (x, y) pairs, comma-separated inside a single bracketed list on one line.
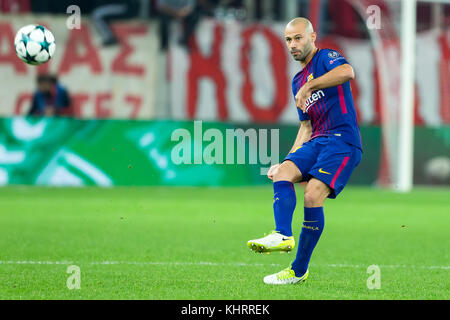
[(285, 276), (275, 241)]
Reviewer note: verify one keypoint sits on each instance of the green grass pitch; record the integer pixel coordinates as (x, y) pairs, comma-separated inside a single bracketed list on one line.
[(190, 243)]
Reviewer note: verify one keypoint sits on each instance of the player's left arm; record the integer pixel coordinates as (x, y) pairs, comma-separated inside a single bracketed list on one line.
[(332, 78)]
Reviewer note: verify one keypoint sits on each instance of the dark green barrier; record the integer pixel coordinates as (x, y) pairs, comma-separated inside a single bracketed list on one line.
[(50, 151)]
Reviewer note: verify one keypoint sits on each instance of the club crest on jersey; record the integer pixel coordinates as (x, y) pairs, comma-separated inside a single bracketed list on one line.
[(310, 77)]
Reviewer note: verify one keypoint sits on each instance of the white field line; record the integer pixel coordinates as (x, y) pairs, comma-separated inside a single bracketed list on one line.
[(206, 263)]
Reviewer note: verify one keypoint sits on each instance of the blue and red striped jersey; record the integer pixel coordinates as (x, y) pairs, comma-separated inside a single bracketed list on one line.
[(331, 110)]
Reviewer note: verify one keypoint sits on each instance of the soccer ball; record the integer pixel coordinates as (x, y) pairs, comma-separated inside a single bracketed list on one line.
[(34, 44), (437, 169)]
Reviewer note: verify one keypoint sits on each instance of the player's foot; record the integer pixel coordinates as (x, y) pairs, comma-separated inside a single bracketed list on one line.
[(285, 276), (275, 241)]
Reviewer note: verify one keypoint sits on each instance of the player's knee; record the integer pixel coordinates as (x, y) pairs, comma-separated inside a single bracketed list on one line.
[(286, 173), (313, 199), (309, 199), (281, 175), (315, 193)]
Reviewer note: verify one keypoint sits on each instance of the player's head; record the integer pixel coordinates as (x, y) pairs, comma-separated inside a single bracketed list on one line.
[(300, 37), (46, 82)]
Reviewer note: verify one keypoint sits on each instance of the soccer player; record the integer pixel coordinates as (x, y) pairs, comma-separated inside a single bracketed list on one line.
[(50, 98), (325, 152)]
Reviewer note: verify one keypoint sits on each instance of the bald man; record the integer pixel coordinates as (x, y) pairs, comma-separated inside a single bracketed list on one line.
[(325, 152)]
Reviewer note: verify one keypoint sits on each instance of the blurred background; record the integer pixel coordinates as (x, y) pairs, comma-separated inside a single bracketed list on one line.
[(127, 74)]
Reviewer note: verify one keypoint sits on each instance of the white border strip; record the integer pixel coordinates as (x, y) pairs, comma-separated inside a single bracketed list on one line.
[(206, 263)]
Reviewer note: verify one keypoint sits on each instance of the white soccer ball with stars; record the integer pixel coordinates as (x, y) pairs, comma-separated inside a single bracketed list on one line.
[(34, 44)]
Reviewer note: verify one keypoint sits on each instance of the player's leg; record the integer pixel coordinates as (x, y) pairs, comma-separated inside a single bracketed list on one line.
[(288, 173), (333, 169), (284, 198), (316, 192), (330, 174), (284, 202)]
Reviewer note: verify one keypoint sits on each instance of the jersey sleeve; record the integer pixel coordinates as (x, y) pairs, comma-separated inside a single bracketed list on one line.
[(302, 116), (331, 59)]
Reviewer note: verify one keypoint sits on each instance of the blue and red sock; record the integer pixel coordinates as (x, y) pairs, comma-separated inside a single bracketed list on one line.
[(284, 201), (312, 228)]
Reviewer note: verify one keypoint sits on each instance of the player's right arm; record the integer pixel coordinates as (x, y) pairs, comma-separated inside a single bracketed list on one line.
[(303, 135)]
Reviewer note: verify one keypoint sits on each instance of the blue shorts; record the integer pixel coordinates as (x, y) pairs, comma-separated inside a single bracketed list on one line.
[(328, 159)]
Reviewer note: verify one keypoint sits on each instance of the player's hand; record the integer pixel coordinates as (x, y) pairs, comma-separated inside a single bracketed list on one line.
[(272, 171), (302, 95)]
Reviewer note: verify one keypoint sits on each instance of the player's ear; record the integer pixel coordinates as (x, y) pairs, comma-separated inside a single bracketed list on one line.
[(313, 36)]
